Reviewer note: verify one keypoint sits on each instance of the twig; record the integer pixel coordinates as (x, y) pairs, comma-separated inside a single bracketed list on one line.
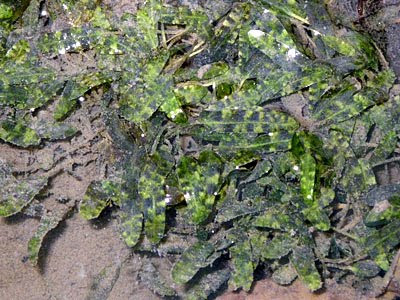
[(344, 212), (388, 276), (350, 236), (381, 57), (353, 223), (387, 161), (345, 261)]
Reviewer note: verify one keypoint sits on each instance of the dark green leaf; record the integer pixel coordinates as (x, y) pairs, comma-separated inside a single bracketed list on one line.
[(303, 260), (198, 256)]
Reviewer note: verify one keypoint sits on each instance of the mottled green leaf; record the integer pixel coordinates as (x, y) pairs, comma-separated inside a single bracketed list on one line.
[(317, 216), (139, 103), (18, 52), (17, 133), (381, 193), (198, 256), (307, 179), (74, 90), (358, 176), (243, 265), (173, 108), (55, 131), (95, 200), (275, 218), (232, 209), (6, 12), (303, 260), (151, 190), (200, 180), (278, 247), (382, 213), (380, 242), (131, 223), (234, 129), (147, 21)]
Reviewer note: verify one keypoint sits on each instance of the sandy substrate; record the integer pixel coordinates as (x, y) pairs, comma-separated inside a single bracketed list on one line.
[(76, 255)]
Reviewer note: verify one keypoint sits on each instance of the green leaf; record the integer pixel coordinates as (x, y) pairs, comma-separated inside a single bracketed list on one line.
[(307, 180), (75, 89), (197, 256), (147, 22), (139, 103), (303, 260), (380, 193), (173, 108), (95, 200), (6, 12), (18, 52), (317, 216), (151, 190), (358, 176), (55, 131), (365, 269), (379, 243), (234, 129), (278, 247), (131, 223), (27, 84), (275, 218), (131, 213), (243, 265), (232, 208), (200, 180), (17, 133)]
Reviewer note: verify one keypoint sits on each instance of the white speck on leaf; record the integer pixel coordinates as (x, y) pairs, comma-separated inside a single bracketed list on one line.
[(256, 33), (291, 54)]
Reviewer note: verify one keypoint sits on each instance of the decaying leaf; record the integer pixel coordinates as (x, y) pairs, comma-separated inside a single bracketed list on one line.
[(47, 223), (154, 281), (209, 284), (285, 274), (17, 194)]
